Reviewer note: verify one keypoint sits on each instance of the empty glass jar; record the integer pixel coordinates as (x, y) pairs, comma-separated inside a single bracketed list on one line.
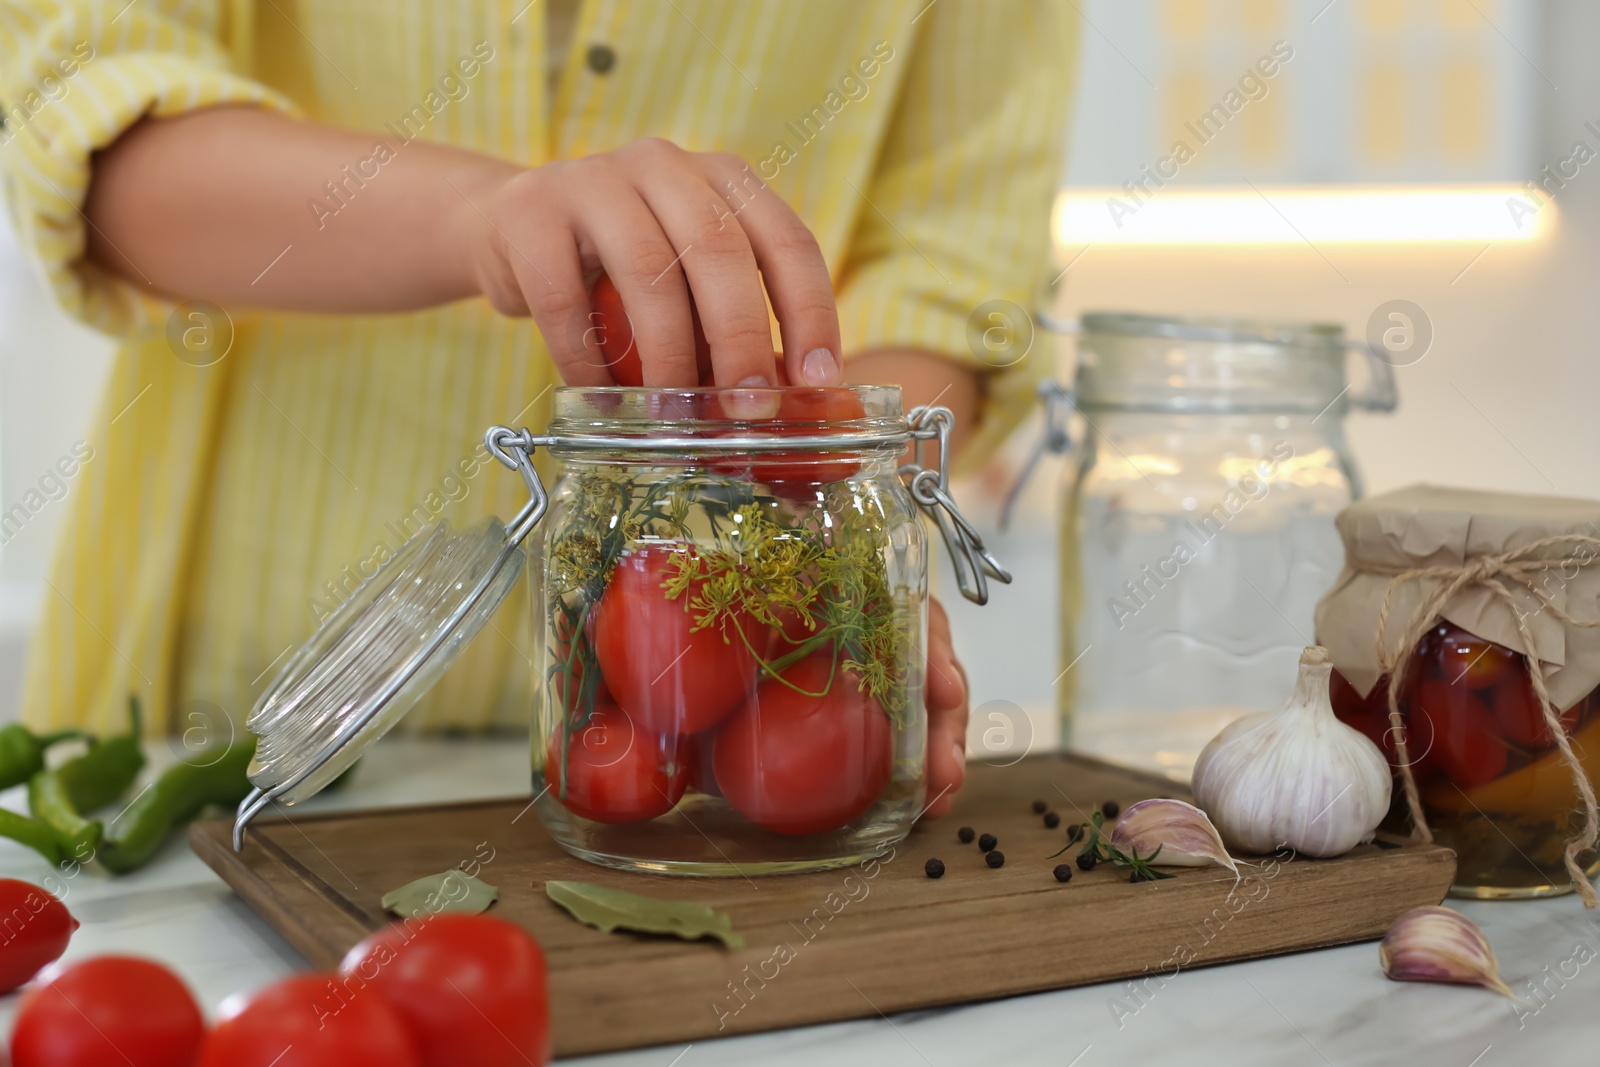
[(1197, 526)]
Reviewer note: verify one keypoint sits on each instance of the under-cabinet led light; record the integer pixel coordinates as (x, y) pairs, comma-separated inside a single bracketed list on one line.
[(1287, 215)]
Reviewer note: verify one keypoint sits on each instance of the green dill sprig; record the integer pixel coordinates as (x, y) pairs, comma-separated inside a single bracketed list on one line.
[(833, 580), (823, 573), (1104, 851)]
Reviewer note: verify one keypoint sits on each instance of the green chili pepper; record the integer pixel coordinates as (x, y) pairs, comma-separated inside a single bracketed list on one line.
[(22, 752), (52, 805), (101, 775), (181, 793), (34, 833), (87, 783)]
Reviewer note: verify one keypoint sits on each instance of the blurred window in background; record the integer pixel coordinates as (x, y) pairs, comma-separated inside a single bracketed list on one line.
[(1183, 97)]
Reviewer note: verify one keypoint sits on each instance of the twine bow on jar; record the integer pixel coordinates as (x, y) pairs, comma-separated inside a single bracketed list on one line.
[(1522, 566)]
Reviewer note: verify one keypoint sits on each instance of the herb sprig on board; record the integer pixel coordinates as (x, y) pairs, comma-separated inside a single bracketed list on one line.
[(1104, 851)]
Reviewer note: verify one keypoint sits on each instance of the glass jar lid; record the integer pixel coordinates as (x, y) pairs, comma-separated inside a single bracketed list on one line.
[(1127, 361), (375, 656), (1222, 329)]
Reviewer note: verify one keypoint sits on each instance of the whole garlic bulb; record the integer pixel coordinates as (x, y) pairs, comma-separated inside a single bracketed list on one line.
[(1296, 776)]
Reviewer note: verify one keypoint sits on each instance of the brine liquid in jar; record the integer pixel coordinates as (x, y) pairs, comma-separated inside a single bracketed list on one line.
[(731, 649), (1493, 786)]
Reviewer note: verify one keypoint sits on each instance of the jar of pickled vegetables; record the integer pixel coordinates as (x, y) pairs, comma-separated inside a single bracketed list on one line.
[(729, 590), (1492, 777)]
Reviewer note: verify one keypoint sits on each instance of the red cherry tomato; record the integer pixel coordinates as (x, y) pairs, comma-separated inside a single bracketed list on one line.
[(468, 988), (1422, 738), (1521, 719), (803, 411), (105, 1012), (310, 1020), (702, 775), (614, 332), (797, 763), (792, 632), (616, 771), (1370, 715), (1363, 713), (1471, 661), (668, 676), (1467, 742), (36, 930)]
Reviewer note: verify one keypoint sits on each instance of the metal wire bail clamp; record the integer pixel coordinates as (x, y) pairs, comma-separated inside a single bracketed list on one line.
[(930, 488)]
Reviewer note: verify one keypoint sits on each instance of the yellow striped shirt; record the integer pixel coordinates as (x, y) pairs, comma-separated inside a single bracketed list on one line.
[(227, 507)]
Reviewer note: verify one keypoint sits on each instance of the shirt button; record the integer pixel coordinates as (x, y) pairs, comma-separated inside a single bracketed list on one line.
[(601, 58)]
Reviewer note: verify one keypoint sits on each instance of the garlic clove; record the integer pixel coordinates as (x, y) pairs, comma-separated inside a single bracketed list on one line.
[(1433, 944), (1182, 832), (1295, 777)]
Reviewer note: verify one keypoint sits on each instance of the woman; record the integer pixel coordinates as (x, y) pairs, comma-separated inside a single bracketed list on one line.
[(411, 200)]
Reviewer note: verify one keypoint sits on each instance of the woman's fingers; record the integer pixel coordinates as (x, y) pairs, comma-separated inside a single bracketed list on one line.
[(714, 252), (663, 223), (792, 266), (947, 715), (631, 245), (529, 265)]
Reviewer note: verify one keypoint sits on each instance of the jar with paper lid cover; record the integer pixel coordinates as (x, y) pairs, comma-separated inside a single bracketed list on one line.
[(1465, 641)]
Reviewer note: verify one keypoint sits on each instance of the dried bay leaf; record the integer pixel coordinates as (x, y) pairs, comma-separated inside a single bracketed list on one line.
[(447, 891), (608, 909)]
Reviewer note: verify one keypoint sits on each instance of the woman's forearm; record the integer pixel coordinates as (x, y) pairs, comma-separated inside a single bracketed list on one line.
[(250, 208), (924, 378), (253, 209)]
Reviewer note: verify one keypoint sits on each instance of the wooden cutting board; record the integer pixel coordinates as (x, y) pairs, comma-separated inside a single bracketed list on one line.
[(836, 944)]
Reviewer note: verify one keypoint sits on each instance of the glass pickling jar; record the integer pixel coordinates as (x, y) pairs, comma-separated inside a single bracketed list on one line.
[(1197, 522), (729, 591), (1471, 596)]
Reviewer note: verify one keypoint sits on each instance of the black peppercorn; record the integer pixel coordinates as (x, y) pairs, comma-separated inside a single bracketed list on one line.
[(965, 835), (995, 859), (1086, 861), (987, 842), (1052, 820), (1138, 876), (1110, 808), (1075, 832), (1063, 872), (934, 868), (1039, 806)]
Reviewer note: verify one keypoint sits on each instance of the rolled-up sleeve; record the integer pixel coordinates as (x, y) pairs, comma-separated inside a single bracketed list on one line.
[(957, 211), (73, 77)]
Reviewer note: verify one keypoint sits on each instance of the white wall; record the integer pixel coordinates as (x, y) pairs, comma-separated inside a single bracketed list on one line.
[(52, 371)]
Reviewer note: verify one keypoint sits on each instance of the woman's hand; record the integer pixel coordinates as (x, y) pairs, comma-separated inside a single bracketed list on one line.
[(212, 205), (947, 714), (661, 222)]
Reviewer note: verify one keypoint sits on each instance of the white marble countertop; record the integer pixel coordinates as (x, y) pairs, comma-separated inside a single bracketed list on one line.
[(1332, 1006)]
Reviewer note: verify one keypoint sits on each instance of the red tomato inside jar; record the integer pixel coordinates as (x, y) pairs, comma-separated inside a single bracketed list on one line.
[(731, 612), (1494, 787)]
